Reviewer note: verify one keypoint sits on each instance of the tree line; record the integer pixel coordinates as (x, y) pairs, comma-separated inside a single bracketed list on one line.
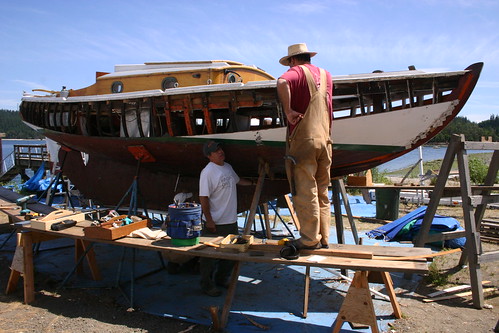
[(13, 127), (471, 130)]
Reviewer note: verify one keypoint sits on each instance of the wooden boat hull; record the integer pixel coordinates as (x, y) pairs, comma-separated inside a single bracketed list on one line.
[(362, 140)]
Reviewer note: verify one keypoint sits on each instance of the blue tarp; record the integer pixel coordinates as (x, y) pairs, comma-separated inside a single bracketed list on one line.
[(407, 227), (33, 184)]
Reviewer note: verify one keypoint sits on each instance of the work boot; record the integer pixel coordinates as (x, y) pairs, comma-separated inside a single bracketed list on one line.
[(300, 246)]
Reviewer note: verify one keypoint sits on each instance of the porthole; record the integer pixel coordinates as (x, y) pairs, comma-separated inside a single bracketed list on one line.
[(117, 87), (231, 78), (169, 82)]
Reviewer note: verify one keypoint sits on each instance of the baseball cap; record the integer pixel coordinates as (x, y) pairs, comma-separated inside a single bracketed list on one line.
[(210, 147)]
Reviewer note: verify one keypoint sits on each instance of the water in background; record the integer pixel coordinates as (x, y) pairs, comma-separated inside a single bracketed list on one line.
[(8, 145), (430, 153)]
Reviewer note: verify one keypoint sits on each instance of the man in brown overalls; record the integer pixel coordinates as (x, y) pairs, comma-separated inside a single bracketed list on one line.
[(305, 92)]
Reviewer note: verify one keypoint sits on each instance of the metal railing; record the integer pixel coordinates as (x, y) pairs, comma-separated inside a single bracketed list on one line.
[(24, 156), (30, 155)]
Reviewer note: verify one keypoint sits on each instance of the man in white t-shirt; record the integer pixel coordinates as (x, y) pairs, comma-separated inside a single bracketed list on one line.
[(218, 197)]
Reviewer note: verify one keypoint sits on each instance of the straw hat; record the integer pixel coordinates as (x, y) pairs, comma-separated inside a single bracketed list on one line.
[(296, 49)]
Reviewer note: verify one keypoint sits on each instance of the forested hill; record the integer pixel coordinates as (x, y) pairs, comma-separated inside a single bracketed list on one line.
[(472, 131), (14, 128)]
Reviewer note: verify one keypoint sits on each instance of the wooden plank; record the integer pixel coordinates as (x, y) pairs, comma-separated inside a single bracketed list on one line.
[(452, 289), (432, 255), (388, 251), (488, 257), (445, 235), (463, 294), (481, 145), (476, 200), (323, 252), (256, 199)]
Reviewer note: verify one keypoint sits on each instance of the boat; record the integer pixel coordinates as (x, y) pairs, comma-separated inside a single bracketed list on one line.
[(150, 121)]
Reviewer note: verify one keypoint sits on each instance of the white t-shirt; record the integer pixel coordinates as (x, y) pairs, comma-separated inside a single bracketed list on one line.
[(218, 183)]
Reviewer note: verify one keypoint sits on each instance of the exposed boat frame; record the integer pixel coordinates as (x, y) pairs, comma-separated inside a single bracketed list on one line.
[(378, 117)]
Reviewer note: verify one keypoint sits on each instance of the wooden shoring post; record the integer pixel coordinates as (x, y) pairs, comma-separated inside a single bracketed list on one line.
[(168, 116), (268, 232), (341, 187), (445, 168), (292, 211), (256, 198), (206, 113), (473, 245), (338, 219)]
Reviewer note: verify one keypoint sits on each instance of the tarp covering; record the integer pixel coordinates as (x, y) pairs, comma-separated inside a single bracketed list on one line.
[(33, 184), (407, 227)]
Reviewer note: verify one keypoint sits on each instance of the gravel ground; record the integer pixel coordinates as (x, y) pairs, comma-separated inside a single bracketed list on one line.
[(77, 310)]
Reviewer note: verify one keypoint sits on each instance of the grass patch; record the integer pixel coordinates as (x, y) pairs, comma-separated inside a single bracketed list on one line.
[(435, 276)]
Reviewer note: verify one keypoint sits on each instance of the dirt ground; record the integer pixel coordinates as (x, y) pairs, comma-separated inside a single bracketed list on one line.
[(74, 310)]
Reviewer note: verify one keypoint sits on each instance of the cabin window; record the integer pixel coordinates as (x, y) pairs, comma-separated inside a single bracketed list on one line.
[(117, 87), (231, 78), (169, 82)]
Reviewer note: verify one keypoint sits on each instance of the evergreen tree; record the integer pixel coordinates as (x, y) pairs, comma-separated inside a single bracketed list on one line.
[(11, 124)]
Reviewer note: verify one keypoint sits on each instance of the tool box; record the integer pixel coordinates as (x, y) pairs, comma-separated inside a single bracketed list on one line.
[(45, 223), (236, 243), (114, 228)]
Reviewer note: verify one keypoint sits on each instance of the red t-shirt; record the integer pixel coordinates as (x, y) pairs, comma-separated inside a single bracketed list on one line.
[(300, 96)]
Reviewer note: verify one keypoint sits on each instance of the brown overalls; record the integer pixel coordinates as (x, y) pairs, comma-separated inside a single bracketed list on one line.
[(310, 146)]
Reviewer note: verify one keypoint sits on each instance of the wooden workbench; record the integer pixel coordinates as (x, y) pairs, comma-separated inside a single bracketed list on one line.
[(383, 259)]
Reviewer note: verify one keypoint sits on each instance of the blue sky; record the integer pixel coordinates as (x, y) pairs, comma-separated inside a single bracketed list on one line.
[(48, 44)]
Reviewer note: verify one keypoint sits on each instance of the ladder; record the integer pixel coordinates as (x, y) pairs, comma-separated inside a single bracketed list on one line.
[(474, 206)]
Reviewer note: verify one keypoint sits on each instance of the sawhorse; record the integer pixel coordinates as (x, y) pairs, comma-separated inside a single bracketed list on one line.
[(358, 305), (22, 264)]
